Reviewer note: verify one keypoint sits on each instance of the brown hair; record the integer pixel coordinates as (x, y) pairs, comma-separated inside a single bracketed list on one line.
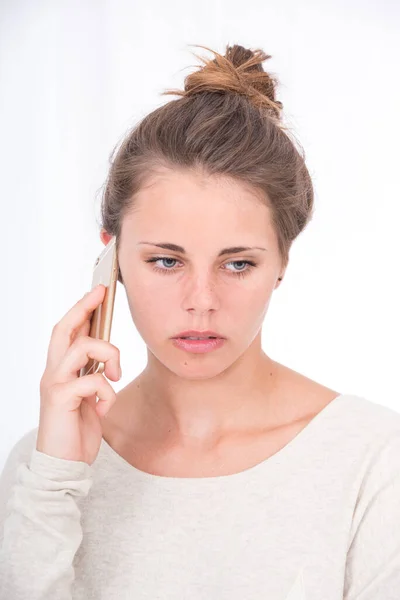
[(227, 122)]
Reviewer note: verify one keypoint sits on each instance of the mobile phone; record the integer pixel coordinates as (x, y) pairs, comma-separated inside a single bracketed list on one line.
[(105, 271)]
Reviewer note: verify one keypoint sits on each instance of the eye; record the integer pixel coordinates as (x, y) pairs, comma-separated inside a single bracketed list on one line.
[(241, 273)]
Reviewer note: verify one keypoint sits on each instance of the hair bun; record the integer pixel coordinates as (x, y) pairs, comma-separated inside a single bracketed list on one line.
[(238, 71)]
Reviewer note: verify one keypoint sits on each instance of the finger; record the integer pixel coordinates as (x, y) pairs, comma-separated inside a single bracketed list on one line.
[(65, 330), (69, 396), (83, 330), (81, 351), (91, 401)]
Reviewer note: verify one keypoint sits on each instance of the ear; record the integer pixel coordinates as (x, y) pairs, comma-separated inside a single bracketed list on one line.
[(282, 274), (105, 237)]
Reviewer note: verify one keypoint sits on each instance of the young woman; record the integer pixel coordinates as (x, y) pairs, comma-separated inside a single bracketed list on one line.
[(217, 473)]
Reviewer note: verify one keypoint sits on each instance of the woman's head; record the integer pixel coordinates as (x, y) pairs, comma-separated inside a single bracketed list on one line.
[(211, 170)]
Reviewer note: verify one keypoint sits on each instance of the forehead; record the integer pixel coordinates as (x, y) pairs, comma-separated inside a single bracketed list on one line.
[(184, 206)]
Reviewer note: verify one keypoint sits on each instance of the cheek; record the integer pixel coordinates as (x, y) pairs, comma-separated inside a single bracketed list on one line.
[(247, 308), (152, 309), (249, 296)]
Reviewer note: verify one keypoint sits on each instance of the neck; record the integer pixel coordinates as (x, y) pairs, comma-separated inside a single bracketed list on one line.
[(194, 412)]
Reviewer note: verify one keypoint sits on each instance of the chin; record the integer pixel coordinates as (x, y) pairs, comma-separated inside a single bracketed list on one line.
[(199, 366)]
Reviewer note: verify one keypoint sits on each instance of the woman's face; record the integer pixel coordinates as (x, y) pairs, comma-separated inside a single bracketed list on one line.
[(170, 291)]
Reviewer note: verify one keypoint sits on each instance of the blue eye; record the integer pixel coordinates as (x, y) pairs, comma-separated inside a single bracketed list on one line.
[(250, 265)]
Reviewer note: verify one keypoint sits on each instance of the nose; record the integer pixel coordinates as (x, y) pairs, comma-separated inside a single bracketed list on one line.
[(200, 295)]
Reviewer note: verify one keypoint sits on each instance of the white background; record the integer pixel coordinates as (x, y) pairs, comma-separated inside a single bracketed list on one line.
[(75, 77)]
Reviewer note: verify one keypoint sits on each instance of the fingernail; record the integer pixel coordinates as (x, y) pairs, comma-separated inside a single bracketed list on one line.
[(120, 372), (91, 291)]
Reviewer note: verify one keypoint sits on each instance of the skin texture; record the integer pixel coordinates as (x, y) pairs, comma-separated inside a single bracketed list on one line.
[(203, 406)]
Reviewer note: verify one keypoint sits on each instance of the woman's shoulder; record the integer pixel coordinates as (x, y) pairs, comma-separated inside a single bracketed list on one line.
[(370, 414), (366, 437)]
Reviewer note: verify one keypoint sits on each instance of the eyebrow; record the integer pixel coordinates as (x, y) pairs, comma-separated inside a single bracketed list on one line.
[(176, 248)]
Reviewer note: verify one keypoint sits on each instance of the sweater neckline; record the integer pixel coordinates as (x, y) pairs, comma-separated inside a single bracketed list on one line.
[(290, 449)]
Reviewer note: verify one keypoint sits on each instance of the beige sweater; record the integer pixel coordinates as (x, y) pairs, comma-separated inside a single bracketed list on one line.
[(319, 520)]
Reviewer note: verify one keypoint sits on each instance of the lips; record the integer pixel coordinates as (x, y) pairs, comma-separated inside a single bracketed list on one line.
[(203, 346), (199, 334)]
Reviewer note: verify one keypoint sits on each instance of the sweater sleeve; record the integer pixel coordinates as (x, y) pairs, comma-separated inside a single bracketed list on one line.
[(373, 557), (40, 526)]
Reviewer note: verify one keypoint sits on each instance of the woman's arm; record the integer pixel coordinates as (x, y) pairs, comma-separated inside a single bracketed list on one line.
[(373, 558), (40, 528)]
